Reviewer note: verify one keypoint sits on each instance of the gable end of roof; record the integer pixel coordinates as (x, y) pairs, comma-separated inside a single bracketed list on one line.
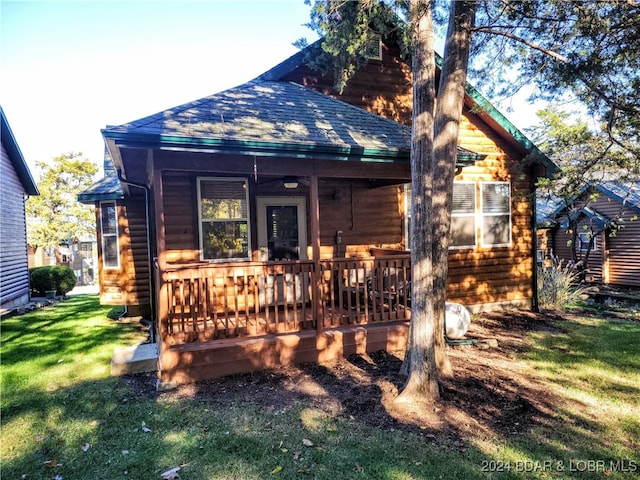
[(15, 155)]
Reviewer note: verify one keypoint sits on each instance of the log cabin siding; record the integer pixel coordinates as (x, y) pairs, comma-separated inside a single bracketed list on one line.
[(469, 283), (623, 258), (14, 271), (621, 252), (368, 217), (381, 87), (129, 284), (616, 259)]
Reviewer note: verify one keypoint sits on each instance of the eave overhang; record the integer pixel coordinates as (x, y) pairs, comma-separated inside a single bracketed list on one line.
[(15, 155), (464, 157)]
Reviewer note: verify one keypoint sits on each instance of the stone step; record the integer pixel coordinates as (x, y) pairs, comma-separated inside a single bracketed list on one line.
[(136, 359)]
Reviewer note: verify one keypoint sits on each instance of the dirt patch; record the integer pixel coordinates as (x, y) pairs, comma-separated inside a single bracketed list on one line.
[(491, 392)]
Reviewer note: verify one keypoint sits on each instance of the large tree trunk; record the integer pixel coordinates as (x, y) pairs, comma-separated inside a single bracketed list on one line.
[(419, 363), (449, 105)]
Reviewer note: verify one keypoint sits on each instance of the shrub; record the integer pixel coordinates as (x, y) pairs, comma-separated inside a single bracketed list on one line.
[(558, 285), (54, 277)]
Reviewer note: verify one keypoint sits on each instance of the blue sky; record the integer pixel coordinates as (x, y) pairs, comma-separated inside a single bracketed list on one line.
[(69, 68)]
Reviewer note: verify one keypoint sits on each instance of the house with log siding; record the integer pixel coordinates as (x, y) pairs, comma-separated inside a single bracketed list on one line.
[(600, 228), (268, 224), (17, 185)]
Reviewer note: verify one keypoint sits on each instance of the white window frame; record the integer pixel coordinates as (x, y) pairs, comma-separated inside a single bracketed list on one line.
[(484, 215), (583, 239), (300, 203), (104, 205), (245, 219), (407, 215), (374, 47), (472, 215)]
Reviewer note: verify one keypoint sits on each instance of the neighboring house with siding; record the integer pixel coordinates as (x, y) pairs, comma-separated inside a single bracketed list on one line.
[(16, 184), (606, 237), (268, 224)]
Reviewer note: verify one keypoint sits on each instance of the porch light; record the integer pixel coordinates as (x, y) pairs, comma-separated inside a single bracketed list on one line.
[(290, 182)]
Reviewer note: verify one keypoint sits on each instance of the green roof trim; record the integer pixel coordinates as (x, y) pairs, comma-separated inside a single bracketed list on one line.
[(107, 188), (295, 150), (464, 157)]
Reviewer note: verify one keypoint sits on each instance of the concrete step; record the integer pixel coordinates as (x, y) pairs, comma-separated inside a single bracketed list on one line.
[(136, 359)]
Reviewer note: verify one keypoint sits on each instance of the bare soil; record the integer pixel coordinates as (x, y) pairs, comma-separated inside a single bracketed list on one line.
[(491, 391)]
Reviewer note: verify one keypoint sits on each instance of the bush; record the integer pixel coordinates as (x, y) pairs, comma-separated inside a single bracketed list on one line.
[(558, 285), (54, 277)]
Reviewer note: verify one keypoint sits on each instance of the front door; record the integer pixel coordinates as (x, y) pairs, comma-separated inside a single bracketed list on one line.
[(282, 228)]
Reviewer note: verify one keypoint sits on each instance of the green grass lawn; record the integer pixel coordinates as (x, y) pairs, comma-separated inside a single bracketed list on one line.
[(64, 417)]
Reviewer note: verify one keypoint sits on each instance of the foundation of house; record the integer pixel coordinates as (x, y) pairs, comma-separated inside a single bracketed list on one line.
[(197, 361), (136, 359)]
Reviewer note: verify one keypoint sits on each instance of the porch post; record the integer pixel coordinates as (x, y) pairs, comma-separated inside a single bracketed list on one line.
[(314, 221), (159, 264)]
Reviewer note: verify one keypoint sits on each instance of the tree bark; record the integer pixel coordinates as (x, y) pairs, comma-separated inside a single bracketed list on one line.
[(453, 77), (419, 362)]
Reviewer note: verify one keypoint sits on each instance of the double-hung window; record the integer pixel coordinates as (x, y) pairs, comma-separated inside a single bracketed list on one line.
[(496, 214), (223, 215), (463, 215), (109, 233), (493, 216)]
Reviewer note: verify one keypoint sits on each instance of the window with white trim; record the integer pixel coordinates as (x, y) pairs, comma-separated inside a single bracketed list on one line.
[(109, 234), (584, 238), (223, 215), (373, 47), (463, 215), (496, 214)]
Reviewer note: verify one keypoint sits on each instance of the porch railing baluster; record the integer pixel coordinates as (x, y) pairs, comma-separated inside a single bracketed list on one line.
[(208, 301)]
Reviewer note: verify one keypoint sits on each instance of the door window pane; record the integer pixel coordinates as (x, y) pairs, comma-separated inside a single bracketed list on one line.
[(282, 232)]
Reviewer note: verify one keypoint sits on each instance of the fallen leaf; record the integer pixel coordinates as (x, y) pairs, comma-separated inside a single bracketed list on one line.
[(85, 447), (51, 463), (125, 452), (146, 429), (276, 470), (297, 455), (171, 474), (307, 443)]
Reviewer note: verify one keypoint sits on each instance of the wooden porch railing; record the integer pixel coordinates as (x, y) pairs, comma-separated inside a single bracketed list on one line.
[(217, 301)]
